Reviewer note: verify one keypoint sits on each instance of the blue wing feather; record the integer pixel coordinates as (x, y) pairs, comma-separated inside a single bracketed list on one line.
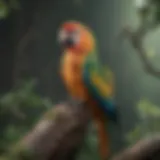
[(105, 103)]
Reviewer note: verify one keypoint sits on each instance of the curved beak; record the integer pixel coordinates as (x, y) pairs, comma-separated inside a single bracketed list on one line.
[(66, 41)]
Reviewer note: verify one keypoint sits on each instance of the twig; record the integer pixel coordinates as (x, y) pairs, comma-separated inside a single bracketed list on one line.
[(136, 39)]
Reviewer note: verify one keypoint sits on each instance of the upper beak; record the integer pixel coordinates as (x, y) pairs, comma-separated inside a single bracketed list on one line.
[(67, 42)]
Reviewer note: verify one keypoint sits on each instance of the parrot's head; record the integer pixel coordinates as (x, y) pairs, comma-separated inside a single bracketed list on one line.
[(75, 37)]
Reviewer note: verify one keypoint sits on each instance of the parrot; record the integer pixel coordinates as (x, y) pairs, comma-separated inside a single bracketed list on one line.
[(86, 79)]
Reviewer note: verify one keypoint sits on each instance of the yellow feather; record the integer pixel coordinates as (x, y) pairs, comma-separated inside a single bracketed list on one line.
[(104, 88)]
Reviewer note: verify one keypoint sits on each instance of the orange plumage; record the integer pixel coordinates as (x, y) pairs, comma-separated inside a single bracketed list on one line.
[(73, 59), (71, 70)]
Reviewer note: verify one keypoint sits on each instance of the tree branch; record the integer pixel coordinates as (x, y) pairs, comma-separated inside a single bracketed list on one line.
[(57, 135), (146, 149), (136, 39), (60, 133)]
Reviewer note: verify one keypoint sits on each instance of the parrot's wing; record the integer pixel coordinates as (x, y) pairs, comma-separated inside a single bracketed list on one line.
[(100, 87)]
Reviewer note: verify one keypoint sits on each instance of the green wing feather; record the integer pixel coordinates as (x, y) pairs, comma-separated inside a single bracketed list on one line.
[(99, 83)]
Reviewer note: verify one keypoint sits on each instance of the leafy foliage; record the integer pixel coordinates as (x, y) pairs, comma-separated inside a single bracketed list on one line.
[(19, 110), (6, 7), (149, 115), (90, 147)]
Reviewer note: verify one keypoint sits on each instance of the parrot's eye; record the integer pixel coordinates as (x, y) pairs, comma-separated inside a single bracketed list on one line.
[(69, 38)]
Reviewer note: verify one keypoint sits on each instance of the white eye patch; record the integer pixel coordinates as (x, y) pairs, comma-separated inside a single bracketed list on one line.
[(62, 35)]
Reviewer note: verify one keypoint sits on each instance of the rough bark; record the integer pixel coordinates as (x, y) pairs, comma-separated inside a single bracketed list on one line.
[(57, 136), (147, 149)]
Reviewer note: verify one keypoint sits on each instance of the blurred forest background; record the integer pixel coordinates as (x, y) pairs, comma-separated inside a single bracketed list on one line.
[(29, 59)]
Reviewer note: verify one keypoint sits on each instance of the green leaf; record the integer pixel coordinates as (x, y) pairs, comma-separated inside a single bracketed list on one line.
[(134, 135), (146, 108), (19, 110), (47, 103), (4, 9), (150, 116)]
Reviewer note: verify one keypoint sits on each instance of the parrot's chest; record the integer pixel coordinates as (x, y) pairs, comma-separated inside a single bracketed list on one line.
[(72, 70)]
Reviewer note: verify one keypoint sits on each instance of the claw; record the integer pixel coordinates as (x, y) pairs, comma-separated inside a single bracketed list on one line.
[(76, 102)]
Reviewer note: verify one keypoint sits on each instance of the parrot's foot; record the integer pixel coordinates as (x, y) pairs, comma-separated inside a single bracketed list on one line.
[(76, 102)]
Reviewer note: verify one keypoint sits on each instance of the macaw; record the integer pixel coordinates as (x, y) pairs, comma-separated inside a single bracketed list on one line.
[(86, 79)]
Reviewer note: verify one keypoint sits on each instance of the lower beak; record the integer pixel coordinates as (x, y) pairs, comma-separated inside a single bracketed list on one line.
[(68, 42)]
